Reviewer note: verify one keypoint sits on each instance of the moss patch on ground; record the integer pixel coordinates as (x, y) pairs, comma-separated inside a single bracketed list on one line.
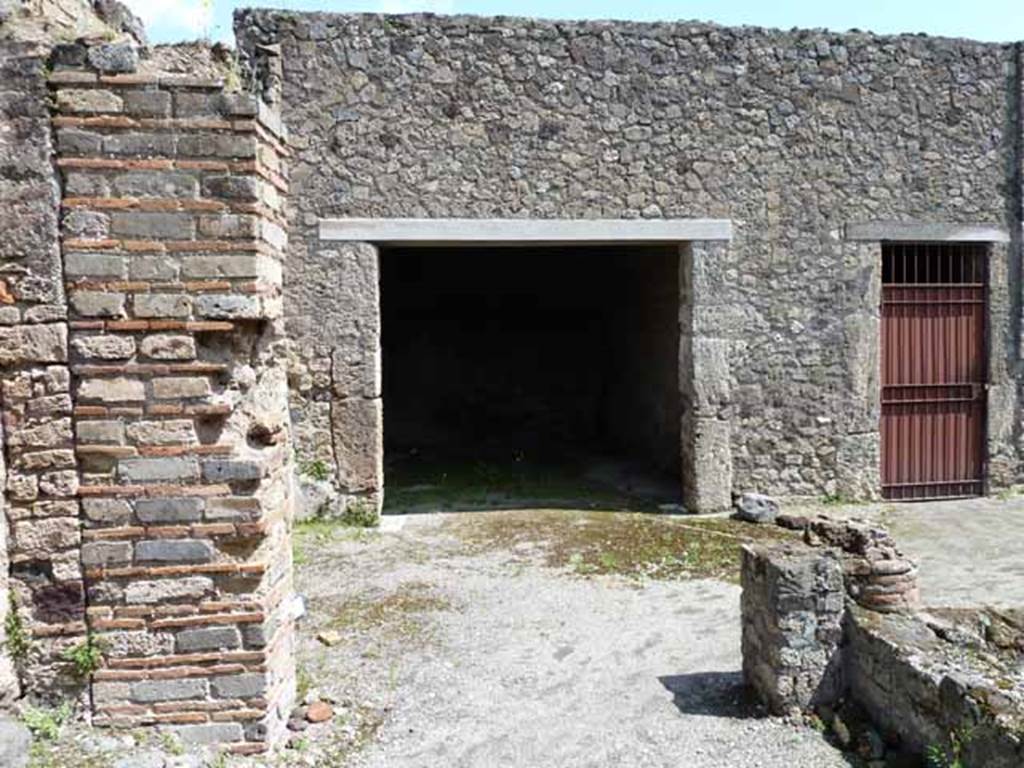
[(310, 537), (402, 614), (629, 544), (423, 485)]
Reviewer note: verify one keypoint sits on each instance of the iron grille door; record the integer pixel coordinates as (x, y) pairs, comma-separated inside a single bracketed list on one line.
[(933, 370)]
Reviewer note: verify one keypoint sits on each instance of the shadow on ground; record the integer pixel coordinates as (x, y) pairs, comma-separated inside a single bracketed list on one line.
[(715, 694)]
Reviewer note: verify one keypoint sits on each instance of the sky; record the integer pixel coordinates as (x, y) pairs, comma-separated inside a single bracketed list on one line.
[(991, 20)]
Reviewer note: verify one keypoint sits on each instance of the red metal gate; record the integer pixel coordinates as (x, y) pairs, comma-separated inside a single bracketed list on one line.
[(933, 370)]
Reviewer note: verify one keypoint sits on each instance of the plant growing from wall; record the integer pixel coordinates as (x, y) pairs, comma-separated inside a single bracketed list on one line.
[(86, 657), (17, 642), (316, 469), (952, 756), (360, 514)]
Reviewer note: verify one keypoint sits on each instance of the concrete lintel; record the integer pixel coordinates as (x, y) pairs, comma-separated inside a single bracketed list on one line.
[(524, 231), (925, 231)]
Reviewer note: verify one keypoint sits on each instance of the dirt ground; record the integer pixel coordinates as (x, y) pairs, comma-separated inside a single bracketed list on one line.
[(533, 638)]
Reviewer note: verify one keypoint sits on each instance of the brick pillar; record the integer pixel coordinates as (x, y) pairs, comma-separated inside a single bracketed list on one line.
[(41, 482), (704, 380), (172, 238)]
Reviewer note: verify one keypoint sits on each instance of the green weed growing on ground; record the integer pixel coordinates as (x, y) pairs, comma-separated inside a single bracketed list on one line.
[(45, 724)]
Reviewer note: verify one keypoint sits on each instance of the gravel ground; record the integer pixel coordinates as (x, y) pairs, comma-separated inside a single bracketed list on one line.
[(525, 638), (483, 655)]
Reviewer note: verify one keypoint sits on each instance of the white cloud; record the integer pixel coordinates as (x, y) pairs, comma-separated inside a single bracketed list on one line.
[(193, 18), (417, 6)]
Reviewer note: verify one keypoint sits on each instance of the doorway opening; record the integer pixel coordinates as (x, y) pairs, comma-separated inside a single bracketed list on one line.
[(530, 376)]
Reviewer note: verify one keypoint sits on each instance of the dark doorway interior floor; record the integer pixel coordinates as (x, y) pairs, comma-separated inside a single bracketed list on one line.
[(521, 375)]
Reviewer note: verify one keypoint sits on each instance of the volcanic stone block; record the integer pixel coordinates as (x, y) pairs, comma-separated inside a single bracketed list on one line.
[(106, 553), (160, 590), (162, 469), (174, 550), (169, 690), (208, 639), (102, 432), (116, 390), (169, 510), (174, 388), (245, 686)]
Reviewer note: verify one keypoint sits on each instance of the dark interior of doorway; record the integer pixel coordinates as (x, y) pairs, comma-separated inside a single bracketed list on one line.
[(529, 376)]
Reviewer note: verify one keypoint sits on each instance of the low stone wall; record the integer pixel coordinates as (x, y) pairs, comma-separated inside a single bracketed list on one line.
[(828, 624), (949, 681)]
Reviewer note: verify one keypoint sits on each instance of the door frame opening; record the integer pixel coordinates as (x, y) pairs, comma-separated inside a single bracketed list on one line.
[(705, 451)]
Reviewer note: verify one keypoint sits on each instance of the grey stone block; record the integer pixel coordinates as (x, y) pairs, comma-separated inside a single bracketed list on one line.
[(169, 510), (228, 307), (116, 390), (215, 733), (156, 184), (147, 103), (181, 387), (231, 187), (107, 511), (207, 639), (153, 268), (160, 590), (98, 303), (100, 432), (95, 265), (170, 305), (114, 58), (153, 226), (756, 508), (245, 686), (106, 553), (222, 470), (160, 469), (104, 346), (357, 425), (168, 346), (152, 691), (140, 144), (174, 551)]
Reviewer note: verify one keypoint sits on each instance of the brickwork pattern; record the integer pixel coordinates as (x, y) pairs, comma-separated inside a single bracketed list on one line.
[(172, 234)]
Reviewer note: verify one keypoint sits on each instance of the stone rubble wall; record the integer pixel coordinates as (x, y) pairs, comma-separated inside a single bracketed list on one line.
[(899, 668), (42, 553), (172, 237), (790, 134)]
